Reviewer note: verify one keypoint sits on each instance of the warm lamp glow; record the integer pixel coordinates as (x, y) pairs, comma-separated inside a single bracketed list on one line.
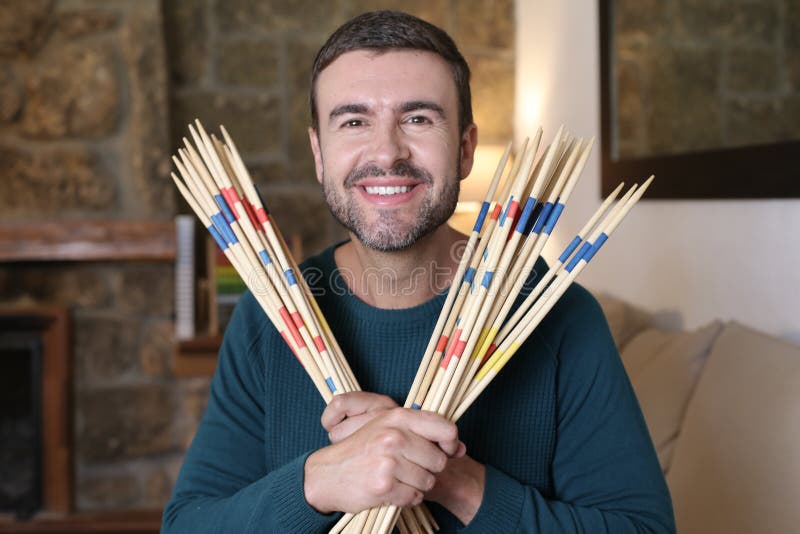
[(474, 186)]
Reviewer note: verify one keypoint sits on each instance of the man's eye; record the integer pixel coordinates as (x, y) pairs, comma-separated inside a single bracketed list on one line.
[(419, 119), (353, 123)]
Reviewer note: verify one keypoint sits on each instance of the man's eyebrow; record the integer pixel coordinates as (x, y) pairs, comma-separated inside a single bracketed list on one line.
[(422, 104), (347, 108)]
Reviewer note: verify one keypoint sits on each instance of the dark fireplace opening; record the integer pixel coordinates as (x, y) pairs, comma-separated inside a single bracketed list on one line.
[(20, 422)]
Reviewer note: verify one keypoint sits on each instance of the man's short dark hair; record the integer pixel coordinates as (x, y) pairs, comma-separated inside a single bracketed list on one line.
[(383, 31)]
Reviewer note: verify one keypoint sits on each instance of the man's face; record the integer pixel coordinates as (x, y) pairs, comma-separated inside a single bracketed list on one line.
[(388, 153)]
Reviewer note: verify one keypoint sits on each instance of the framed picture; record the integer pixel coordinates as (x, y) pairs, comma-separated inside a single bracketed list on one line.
[(705, 94)]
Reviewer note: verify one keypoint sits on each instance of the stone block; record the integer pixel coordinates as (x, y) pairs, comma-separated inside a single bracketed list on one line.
[(25, 26), (73, 92), (751, 71), (641, 18), (99, 492), (731, 22), (301, 54), (78, 23), (74, 286), (254, 121), (186, 25), (278, 15), (682, 110), (10, 94), (125, 422), (303, 213), (436, 12), (147, 289), (754, 121), (157, 345), (55, 183), (248, 62), (493, 97), (485, 24), (147, 144), (193, 399), (106, 349)]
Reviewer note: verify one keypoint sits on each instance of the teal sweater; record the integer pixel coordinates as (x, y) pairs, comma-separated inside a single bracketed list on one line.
[(560, 431)]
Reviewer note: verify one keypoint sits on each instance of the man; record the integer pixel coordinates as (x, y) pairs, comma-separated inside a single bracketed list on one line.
[(557, 443)]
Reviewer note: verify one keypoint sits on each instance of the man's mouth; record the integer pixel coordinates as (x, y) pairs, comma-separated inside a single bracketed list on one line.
[(387, 190)]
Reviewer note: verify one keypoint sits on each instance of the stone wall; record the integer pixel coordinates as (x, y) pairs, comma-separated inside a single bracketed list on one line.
[(84, 135), (704, 74), (247, 64), (94, 96)]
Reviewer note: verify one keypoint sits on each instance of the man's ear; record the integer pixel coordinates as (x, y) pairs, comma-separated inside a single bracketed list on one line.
[(313, 139), (469, 141)]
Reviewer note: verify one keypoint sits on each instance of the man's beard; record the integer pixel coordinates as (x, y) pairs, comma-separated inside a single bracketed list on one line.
[(389, 234)]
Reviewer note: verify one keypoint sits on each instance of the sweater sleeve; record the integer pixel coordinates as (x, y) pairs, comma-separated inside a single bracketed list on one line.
[(224, 486), (606, 475)]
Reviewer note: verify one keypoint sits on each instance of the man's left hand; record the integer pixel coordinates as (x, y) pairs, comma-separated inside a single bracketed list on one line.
[(459, 488)]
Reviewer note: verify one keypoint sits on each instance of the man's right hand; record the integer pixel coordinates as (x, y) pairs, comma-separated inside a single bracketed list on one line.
[(392, 459)]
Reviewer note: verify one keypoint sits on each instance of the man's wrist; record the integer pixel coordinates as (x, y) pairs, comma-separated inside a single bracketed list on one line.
[(462, 491), (311, 487)]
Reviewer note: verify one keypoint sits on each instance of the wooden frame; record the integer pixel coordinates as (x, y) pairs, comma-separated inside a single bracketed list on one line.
[(53, 323), (761, 171)]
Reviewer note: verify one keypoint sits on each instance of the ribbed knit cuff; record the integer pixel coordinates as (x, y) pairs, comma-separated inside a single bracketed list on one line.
[(292, 511), (501, 506)]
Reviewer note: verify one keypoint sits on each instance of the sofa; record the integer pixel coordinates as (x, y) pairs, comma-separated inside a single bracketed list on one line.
[(722, 404)]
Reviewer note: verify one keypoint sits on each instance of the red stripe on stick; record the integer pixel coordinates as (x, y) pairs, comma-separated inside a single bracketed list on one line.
[(251, 213), (320, 344), (489, 353), (442, 343), (450, 350), (262, 216), (460, 348), (231, 198), (496, 212), (292, 328), (298, 320)]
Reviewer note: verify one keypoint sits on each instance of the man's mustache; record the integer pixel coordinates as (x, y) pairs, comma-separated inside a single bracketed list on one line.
[(402, 168)]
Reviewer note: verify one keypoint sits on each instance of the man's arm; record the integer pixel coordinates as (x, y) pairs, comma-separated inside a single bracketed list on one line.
[(224, 485)]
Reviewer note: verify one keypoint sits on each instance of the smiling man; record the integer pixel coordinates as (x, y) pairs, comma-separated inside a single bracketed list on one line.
[(557, 443)]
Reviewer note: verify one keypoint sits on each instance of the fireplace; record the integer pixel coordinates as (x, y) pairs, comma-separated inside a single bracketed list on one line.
[(35, 465)]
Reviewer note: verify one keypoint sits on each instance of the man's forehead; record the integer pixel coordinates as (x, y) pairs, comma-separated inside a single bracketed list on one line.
[(388, 75)]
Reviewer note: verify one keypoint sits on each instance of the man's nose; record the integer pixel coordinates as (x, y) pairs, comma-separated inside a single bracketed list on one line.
[(389, 146)]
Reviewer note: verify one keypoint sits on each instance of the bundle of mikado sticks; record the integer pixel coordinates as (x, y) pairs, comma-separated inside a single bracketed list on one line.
[(473, 338), (219, 189)]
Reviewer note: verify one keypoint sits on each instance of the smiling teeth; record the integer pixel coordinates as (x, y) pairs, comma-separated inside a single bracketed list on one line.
[(394, 190)]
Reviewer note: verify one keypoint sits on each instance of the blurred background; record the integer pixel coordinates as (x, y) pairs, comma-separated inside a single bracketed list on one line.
[(95, 96)]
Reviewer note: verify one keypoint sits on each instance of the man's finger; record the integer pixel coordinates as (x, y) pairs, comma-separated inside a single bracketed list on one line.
[(350, 425), (432, 427), (352, 404)]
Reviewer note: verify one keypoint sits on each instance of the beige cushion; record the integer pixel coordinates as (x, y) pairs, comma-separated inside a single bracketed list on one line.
[(736, 466), (624, 320), (664, 368)]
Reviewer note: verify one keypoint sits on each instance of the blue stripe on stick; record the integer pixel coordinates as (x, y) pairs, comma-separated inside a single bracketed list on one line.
[(505, 211), (526, 214), (265, 257), (331, 387), (540, 222), (570, 249), (223, 206), (290, 277), (416, 406), (469, 276), (218, 238), (553, 219), (585, 248), (224, 228), (595, 247), (487, 279), (481, 217)]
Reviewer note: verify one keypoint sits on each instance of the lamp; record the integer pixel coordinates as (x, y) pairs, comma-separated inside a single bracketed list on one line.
[(474, 186)]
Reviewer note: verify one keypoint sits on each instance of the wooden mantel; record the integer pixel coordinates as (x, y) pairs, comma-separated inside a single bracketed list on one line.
[(87, 240)]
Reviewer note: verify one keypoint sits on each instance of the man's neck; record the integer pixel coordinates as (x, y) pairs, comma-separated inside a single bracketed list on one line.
[(393, 280)]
